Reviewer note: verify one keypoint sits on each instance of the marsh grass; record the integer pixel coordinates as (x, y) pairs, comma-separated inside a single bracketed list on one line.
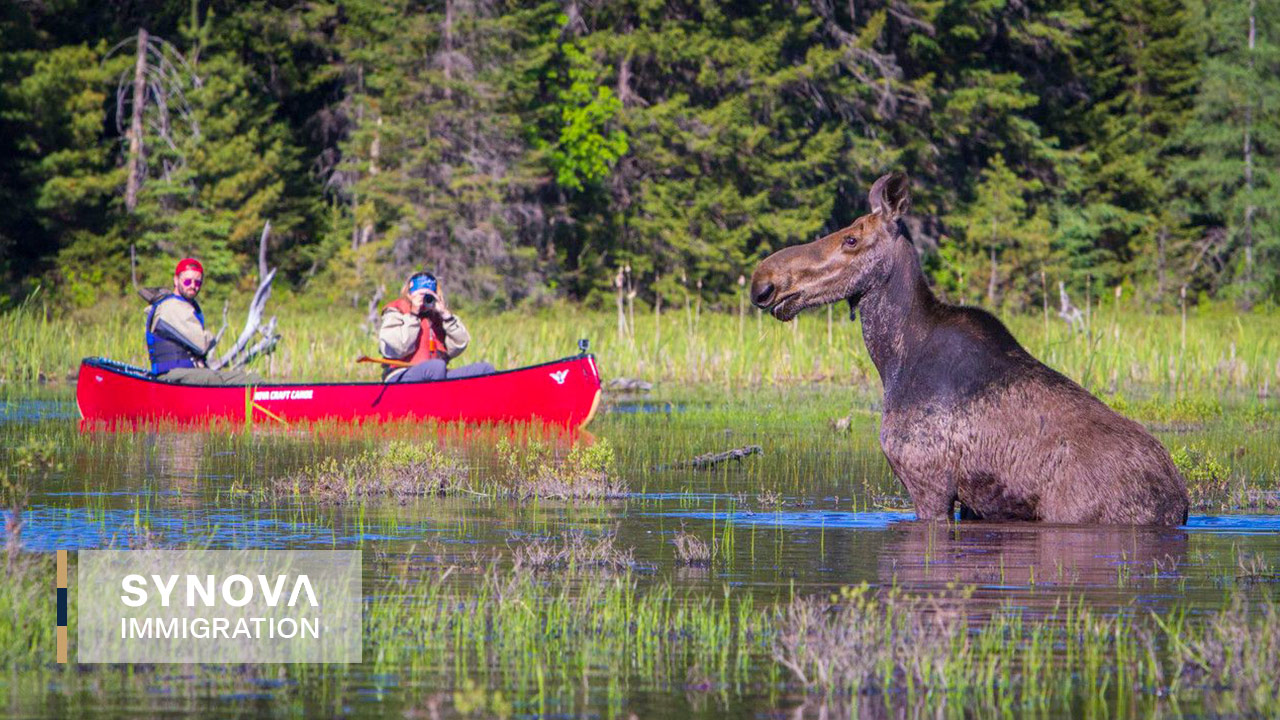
[(693, 551), (571, 551), (1126, 351), (1256, 569), (868, 642), (770, 500), (399, 470), (588, 471), (1235, 652), (547, 636), (28, 613), (505, 638), (522, 469)]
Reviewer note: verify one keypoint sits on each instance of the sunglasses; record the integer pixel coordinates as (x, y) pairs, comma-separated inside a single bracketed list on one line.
[(190, 282)]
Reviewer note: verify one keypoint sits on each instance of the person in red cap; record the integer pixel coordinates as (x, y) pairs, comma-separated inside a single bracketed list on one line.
[(176, 339)]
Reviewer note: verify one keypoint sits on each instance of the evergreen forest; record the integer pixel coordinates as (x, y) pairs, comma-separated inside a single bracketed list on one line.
[(533, 151)]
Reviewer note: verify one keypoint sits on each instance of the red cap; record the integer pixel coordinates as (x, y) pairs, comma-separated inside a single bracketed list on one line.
[(188, 264)]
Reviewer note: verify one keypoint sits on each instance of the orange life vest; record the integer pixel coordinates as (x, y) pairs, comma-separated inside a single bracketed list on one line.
[(430, 346)]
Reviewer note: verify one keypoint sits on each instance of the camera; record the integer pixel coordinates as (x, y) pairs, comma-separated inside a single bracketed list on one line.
[(424, 281)]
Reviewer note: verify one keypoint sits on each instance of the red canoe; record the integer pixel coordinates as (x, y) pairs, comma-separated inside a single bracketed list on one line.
[(563, 392)]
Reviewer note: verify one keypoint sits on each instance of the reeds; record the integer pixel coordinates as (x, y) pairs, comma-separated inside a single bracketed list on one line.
[(693, 551), (400, 470), (1127, 352), (571, 551), (589, 471), (523, 469), (556, 642)]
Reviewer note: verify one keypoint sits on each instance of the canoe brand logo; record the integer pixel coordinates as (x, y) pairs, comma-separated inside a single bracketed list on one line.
[(283, 394), (560, 376), (219, 606)]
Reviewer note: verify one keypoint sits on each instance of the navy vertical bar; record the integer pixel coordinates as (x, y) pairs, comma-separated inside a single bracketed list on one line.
[(62, 607)]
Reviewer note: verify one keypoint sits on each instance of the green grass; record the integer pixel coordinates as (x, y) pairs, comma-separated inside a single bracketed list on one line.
[(506, 642), (1220, 353), (467, 628)]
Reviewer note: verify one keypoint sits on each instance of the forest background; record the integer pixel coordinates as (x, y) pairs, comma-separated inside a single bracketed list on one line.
[(532, 151)]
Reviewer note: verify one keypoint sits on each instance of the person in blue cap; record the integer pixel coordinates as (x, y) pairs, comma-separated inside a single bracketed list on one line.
[(419, 328)]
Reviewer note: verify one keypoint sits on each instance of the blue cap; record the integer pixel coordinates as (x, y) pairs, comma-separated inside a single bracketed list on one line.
[(426, 281)]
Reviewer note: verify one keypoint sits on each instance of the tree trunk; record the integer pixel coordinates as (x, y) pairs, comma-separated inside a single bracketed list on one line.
[(1161, 237), (355, 217), (448, 49), (991, 281), (135, 125), (262, 252), (1248, 164)]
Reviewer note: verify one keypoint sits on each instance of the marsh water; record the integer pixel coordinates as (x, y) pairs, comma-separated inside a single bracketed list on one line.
[(815, 511)]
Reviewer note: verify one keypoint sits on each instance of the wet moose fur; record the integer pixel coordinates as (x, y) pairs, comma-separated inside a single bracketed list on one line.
[(969, 415)]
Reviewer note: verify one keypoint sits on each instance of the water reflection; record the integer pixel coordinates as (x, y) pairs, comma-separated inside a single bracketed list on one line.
[(1004, 560)]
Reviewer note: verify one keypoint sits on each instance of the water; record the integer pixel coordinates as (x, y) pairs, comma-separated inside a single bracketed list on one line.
[(817, 511)]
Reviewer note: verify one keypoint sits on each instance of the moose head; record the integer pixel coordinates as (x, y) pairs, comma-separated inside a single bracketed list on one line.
[(845, 265)]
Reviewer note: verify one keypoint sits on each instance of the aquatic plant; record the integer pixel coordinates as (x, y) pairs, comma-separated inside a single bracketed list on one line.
[(861, 641), (571, 551), (770, 499), (1235, 652), (1208, 479), (27, 615), (588, 471), (692, 551), (400, 469)]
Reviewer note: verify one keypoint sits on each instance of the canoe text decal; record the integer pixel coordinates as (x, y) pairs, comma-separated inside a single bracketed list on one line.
[(282, 394)]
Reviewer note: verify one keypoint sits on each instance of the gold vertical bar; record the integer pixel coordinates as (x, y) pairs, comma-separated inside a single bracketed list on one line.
[(62, 629)]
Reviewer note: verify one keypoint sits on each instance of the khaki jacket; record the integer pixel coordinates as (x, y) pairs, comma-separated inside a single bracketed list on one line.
[(181, 318), (398, 336)]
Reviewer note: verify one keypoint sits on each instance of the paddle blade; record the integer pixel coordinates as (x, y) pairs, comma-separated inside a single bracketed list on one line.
[(382, 361)]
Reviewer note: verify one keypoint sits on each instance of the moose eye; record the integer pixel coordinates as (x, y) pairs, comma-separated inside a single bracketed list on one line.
[(850, 240)]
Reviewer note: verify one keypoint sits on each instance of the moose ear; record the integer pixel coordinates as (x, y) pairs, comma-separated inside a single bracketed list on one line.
[(891, 195)]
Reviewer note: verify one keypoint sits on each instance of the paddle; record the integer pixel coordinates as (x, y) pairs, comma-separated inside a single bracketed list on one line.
[(383, 361)]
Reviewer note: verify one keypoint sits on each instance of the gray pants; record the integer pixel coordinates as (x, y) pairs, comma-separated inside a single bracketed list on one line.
[(435, 370), (205, 376)]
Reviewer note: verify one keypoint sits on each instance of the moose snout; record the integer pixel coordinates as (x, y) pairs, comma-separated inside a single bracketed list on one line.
[(761, 292)]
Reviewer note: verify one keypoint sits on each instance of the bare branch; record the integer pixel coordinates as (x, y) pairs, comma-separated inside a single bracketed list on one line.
[(251, 323), (221, 330), (263, 346), (262, 251)]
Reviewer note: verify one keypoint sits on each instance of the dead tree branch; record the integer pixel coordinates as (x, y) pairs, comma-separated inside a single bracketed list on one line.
[(262, 251), (241, 353), (1066, 310)]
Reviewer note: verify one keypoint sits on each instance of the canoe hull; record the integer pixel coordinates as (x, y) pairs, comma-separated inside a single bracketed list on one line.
[(563, 392)]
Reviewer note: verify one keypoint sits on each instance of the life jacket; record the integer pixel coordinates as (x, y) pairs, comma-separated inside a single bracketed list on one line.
[(168, 354), (430, 347)]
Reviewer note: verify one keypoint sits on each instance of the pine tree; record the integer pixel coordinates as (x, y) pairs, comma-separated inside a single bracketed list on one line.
[(435, 170), (211, 188), (1233, 144), (59, 108), (1005, 241), (1125, 219)]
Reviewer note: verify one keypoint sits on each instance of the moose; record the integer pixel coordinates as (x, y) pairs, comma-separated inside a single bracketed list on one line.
[(970, 417)]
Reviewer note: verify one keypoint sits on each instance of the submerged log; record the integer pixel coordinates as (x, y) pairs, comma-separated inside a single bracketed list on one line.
[(711, 460), (629, 384)]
